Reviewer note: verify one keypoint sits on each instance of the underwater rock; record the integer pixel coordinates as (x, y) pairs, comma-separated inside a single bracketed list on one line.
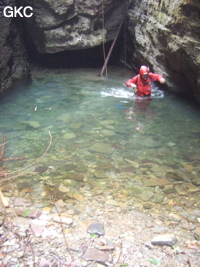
[(32, 124), (147, 206), (105, 166), (78, 197), (76, 125), (169, 190), (72, 175), (158, 198), (197, 233), (80, 168), (41, 169), (121, 130), (70, 167), (69, 136), (107, 133), (146, 195), (106, 122), (65, 117), (192, 188), (195, 180), (101, 148), (133, 163), (63, 188), (149, 142), (181, 190), (154, 181), (188, 167), (99, 174), (25, 184), (174, 176)]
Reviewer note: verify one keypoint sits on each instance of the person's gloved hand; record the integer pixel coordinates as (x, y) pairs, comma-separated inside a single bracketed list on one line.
[(162, 80), (134, 86)]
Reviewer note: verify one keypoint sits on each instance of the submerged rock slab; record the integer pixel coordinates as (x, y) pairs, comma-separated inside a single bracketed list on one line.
[(154, 181), (32, 124), (72, 175), (101, 148), (197, 233), (146, 195)]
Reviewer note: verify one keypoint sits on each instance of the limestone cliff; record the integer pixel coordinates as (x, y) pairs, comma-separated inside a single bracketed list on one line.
[(165, 35), (60, 25), (13, 63)]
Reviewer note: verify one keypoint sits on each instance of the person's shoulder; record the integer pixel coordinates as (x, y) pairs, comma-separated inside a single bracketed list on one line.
[(151, 73), (154, 75)]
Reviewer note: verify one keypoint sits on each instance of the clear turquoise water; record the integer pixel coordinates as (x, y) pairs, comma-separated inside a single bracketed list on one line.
[(82, 111)]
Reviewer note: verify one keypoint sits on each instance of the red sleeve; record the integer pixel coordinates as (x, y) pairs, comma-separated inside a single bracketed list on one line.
[(133, 80), (155, 77)]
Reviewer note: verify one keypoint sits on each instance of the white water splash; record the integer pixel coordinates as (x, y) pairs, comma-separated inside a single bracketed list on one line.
[(126, 93)]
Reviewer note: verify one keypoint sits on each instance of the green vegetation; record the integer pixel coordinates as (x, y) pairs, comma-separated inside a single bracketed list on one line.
[(154, 261)]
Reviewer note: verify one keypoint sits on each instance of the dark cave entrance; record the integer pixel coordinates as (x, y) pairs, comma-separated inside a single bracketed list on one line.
[(92, 57), (89, 58)]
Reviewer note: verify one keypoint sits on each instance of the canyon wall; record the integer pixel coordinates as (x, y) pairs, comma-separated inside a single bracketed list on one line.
[(13, 60), (165, 35), (60, 25)]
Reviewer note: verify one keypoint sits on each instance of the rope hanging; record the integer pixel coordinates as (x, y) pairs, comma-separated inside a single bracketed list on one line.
[(125, 44), (103, 27), (114, 41)]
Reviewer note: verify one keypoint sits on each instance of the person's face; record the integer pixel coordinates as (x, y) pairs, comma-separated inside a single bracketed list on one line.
[(144, 76)]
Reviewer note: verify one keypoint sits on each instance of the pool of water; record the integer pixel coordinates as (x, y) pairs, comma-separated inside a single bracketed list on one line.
[(84, 136)]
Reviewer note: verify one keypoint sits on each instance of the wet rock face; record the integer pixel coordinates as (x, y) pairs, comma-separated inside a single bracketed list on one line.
[(60, 25), (165, 36), (13, 64)]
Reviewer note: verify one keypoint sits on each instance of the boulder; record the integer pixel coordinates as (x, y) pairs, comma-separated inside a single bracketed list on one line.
[(164, 240), (60, 25)]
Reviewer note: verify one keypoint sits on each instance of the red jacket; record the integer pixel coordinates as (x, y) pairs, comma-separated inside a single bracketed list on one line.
[(144, 87)]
